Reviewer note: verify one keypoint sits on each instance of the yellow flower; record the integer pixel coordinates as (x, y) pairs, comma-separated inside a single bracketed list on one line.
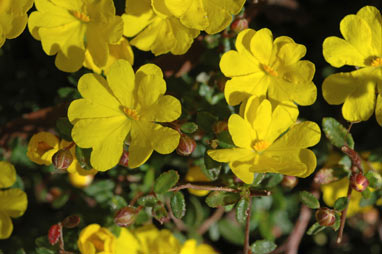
[(262, 66), (95, 239), (41, 147), (80, 181), (121, 50), (132, 106), (361, 47), (260, 147), (158, 32), (208, 15), (68, 28), (191, 247), (13, 202), (75, 167), (13, 18), (195, 174)]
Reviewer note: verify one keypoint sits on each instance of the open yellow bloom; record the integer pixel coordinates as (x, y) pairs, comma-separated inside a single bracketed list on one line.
[(41, 148), (132, 106), (13, 18), (262, 66), (260, 147), (155, 31), (69, 27), (361, 47), (13, 202), (208, 15)]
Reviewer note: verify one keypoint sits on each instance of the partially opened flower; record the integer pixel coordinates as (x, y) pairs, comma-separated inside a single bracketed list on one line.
[(125, 106), (157, 31), (208, 15), (96, 239), (68, 28), (362, 48), (260, 146), (13, 18), (262, 66), (13, 202), (41, 148)]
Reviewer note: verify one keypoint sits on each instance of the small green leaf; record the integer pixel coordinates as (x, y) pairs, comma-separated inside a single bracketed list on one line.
[(309, 200), (315, 228), (166, 181), (160, 213), (337, 133), (147, 201), (42, 250), (83, 157), (258, 178), (231, 231), (221, 198), (337, 224), (212, 168), (64, 128), (178, 204), (189, 127), (205, 120), (99, 187), (340, 204), (263, 247), (241, 210), (375, 179), (273, 180), (225, 139), (366, 194)]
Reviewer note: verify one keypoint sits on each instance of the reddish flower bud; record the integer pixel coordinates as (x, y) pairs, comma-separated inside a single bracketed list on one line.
[(325, 216), (71, 221), (239, 25), (62, 159), (54, 233), (359, 182), (124, 161), (126, 216), (289, 182), (186, 145)]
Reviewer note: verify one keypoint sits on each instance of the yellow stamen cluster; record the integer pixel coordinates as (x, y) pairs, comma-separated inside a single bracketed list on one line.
[(377, 62), (269, 70), (260, 145), (81, 16), (131, 113)]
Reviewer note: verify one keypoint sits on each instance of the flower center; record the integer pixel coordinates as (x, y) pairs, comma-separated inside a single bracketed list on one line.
[(131, 113), (81, 16), (269, 70), (43, 147), (377, 62), (97, 242), (260, 145)]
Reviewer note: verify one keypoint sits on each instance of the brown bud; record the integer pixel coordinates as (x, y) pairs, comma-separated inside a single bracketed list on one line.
[(124, 161), (126, 216), (62, 159), (359, 182), (220, 126), (325, 216), (71, 221), (289, 182), (239, 25), (186, 145)]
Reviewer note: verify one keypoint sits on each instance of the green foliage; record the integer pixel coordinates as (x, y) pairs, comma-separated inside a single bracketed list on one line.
[(241, 210), (166, 181), (178, 204), (263, 247), (315, 229), (64, 128), (189, 127), (221, 198), (337, 133), (340, 204), (309, 200)]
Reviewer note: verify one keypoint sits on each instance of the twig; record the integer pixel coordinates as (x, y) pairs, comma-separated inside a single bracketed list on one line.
[(247, 224), (211, 220), (343, 216), (135, 199)]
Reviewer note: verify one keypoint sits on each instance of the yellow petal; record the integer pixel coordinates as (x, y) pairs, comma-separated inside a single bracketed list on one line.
[(242, 171), (138, 15), (71, 62), (235, 63), (241, 131), (8, 174), (166, 109), (140, 148), (232, 154), (262, 45), (164, 140), (6, 226), (41, 147), (373, 17), (150, 84), (337, 87), (83, 108), (287, 50), (127, 243), (378, 109), (259, 115), (171, 7), (196, 16), (13, 202)]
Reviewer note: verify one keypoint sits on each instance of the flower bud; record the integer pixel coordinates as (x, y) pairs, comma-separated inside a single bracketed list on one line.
[(124, 161), (359, 182), (324, 176), (239, 25), (325, 216), (71, 221), (54, 233), (126, 216), (186, 145), (220, 126), (289, 182), (62, 159)]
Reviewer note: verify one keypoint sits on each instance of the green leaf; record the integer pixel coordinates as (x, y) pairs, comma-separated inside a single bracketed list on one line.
[(337, 224), (340, 204), (366, 194), (273, 180), (315, 228), (309, 200), (263, 247), (375, 179), (166, 181), (336, 133), (64, 128), (99, 187), (231, 231), (160, 213), (83, 157), (221, 198), (205, 120), (225, 139), (178, 204), (42, 250), (258, 178), (189, 127), (212, 168), (147, 201), (241, 210)]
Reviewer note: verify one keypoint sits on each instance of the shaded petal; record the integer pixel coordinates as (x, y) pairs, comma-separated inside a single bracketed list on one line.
[(378, 109), (8, 174), (259, 115), (164, 140), (139, 14), (41, 147), (150, 84), (373, 17), (241, 131), (261, 45), (287, 51), (243, 42), (279, 89), (72, 61), (166, 109), (241, 170), (304, 94), (13, 202), (127, 243), (234, 63), (83, 108), (6, 226), (140, 148), (232, 154), (171, 7)]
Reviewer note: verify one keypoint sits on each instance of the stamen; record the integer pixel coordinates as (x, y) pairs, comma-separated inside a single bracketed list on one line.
[(260, 145), (81, 16), (269, 70), (377, 62), (131, 113)]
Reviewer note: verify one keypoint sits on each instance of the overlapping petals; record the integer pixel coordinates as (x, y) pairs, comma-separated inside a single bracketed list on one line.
[(260, 147), (361, 47), (13, 18), (68, 28), (262, 66), (131, 108), (41, 148)]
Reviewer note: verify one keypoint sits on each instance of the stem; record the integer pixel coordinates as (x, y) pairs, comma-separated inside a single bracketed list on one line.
[(135, 199), (69, 146), (247, 224), (343, 217), (211, 220)]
